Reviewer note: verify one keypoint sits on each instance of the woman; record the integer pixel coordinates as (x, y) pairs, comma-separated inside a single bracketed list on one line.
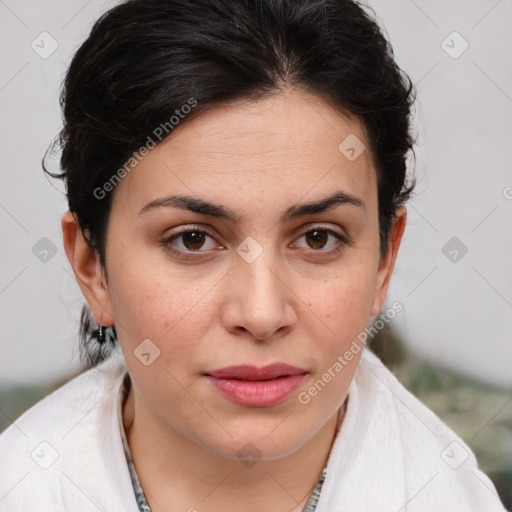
[(236, 179)]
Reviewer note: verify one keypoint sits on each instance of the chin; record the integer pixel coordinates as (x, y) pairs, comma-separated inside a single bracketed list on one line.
[(254, 444)]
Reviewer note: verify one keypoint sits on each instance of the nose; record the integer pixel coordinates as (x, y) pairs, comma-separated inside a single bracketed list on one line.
[(260, 302)]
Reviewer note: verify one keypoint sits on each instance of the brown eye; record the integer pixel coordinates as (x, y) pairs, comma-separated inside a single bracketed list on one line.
[(193, 240), (322, 240), (317, 238)]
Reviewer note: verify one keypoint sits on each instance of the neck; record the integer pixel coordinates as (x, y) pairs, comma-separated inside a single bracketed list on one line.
[(200, 479)]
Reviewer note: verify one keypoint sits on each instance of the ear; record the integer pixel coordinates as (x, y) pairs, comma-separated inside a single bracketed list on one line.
[(386, 264), (87, 269)]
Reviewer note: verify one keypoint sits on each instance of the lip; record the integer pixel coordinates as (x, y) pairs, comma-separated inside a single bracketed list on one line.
[(256, 386), (250, 372)]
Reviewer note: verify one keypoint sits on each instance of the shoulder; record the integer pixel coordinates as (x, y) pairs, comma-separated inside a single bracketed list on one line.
[(76, 396), (58, 451), (400, 452)]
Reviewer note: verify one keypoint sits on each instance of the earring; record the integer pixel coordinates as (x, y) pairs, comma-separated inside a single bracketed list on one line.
[(99, 334)]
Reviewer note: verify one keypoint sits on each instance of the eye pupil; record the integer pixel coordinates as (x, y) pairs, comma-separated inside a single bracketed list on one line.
[(193, 238), (318, 236)]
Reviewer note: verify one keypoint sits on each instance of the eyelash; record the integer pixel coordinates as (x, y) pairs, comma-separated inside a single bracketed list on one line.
[(343, 241)]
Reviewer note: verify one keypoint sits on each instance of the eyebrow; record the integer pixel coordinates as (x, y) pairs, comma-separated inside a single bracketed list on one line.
[(203, 207)]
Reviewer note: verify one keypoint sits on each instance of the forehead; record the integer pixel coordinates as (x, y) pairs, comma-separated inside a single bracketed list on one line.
[(288, 142)]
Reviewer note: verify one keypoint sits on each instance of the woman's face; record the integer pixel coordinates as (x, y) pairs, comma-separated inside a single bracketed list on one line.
[(261, 278)]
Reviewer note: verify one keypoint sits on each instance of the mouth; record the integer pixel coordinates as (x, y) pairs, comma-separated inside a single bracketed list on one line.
[(253, 386)]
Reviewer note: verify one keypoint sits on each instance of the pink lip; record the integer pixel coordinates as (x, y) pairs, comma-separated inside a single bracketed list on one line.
[(249, 372), (256, 387)]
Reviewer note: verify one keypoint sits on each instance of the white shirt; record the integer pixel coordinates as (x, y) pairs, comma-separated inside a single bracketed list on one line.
[(391, 454)]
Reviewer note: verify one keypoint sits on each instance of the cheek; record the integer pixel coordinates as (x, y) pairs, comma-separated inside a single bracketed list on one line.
[(343, 300), (343, 306), (170, 308), (341, 312), (148, 301)]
